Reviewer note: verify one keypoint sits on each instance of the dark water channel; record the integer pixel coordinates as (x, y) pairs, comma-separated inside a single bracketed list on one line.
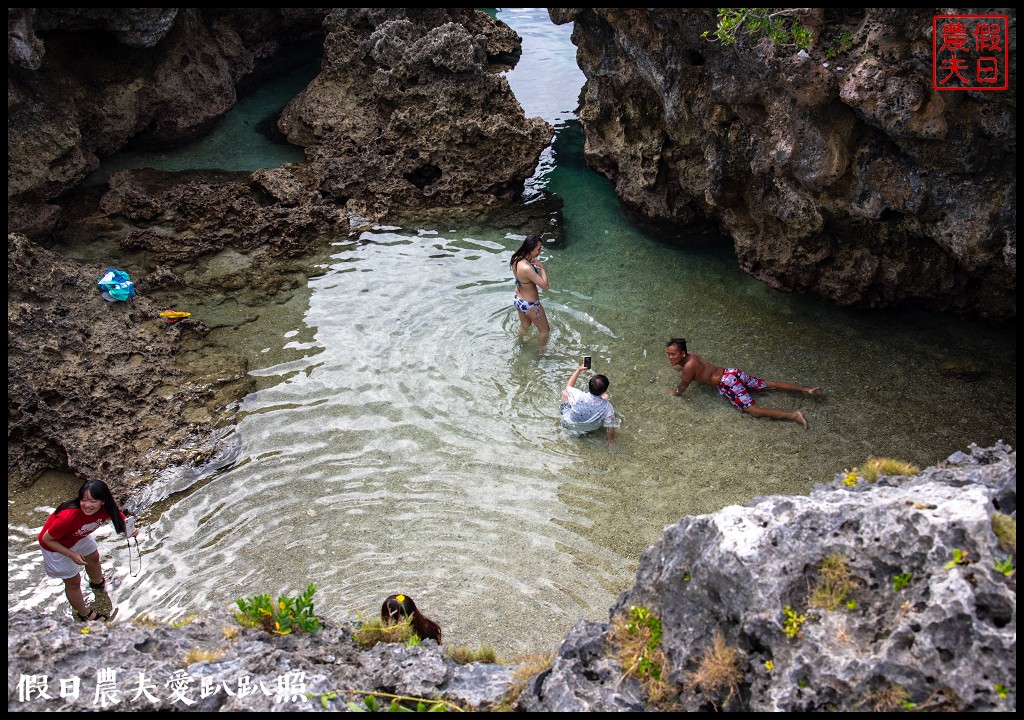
[(403, 439)]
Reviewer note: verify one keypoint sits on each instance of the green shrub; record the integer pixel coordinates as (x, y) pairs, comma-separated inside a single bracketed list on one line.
[(282, 617), (778, 24)]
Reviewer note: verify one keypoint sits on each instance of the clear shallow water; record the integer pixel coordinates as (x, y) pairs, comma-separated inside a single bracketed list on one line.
[(403, 438), (239, 142)]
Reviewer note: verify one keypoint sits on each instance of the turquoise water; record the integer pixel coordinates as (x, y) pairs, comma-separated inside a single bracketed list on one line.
[(239, 143), (402, 438)]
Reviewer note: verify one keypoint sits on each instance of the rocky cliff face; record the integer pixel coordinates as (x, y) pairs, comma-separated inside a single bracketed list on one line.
[(942, 638), (837, 171), (82, 83), (406, 112), (862, 596)]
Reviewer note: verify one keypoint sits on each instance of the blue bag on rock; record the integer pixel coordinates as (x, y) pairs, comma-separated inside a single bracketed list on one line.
[(116, 285)]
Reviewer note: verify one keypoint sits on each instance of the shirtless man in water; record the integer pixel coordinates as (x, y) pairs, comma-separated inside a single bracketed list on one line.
[(731, 382)]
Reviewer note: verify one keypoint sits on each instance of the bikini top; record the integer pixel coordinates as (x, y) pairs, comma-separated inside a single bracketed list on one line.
[(520, 283)]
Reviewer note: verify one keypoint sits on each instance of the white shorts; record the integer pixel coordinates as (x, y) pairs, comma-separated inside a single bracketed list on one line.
[(63, 567)]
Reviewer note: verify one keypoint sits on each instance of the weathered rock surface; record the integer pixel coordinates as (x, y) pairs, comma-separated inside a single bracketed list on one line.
[(92, 387), (406, 112), (83, 82), (245, 670), (946, 641), (839, 171)]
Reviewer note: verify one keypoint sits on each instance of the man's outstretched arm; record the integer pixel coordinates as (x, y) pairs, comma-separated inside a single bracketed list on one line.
[(684, 382), (572, 381)]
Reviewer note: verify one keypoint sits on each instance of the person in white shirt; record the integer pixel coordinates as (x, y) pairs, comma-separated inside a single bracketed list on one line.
[(584, 412)]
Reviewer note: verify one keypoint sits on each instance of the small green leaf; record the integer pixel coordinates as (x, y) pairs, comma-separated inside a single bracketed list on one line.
[(1005, 566)]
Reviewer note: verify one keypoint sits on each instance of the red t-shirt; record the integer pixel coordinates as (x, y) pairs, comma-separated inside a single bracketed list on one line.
[(69, 526)]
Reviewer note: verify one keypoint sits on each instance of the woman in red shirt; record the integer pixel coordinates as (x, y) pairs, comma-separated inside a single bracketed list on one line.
[(67, 542)]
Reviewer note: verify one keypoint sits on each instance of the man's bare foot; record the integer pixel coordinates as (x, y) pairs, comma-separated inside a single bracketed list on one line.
[(800, 419), (814, 391)]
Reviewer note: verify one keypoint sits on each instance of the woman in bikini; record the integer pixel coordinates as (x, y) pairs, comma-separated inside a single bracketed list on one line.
[(530, 275)]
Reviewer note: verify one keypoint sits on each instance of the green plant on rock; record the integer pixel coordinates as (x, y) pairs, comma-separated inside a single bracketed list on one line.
[(1005, 566), (791, 622), (779, 25), (464, 655), (1005, 528), (282, 617), (901, 581), (374, 631), (636, 642), (834, 583), (960, 557), (840, 45)]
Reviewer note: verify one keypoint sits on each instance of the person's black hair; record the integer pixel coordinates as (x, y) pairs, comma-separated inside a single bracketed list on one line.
[(99, 491), (399, 607), (598, 385), (523, 253), (679, 342)]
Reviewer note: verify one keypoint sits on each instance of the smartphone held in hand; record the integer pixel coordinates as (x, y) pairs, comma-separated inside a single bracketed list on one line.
[(129, 525), (586, 361)]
